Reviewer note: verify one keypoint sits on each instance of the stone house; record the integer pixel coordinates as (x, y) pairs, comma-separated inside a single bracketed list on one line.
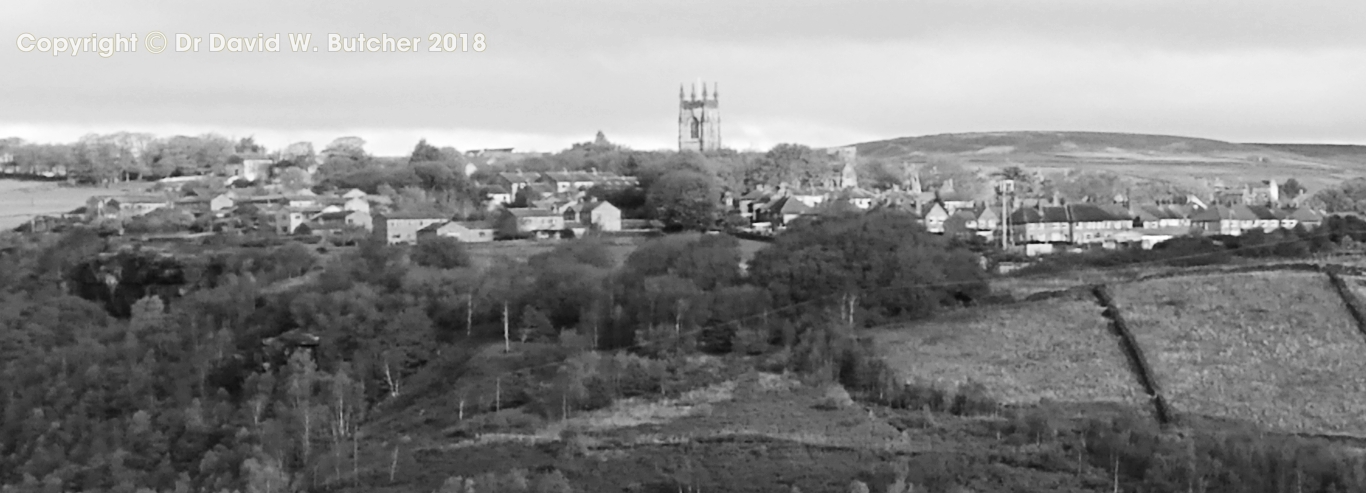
[(402, 227), (522, 221), (465, 231), (600, 214)]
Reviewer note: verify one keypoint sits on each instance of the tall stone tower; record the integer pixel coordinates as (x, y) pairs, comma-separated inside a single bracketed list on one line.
[(699, 120)]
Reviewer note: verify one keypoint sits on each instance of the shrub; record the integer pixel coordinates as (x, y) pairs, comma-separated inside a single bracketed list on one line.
[(442, 252), (885, 256)]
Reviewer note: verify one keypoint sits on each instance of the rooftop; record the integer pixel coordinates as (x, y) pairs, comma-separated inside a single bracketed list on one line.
[(530, 212), (413, 215)]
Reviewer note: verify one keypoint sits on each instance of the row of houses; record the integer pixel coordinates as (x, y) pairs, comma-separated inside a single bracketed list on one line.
[(561, 182), (129, 206), (1038, 222), (508, 222)]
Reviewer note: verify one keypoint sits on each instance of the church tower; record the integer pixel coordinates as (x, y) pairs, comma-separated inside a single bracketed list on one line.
[(699, 120)]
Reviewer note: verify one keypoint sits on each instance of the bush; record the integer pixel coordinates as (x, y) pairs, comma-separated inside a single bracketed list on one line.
[(504, 421), (442, 252), (884, 256)]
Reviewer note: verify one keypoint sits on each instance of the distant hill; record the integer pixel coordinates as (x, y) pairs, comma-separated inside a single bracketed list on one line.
[(1335, 151), (1154, 157)]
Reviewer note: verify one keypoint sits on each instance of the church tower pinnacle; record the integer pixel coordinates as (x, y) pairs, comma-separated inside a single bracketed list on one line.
[(699, 120)]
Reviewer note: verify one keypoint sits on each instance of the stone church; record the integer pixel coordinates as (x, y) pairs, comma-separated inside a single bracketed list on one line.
[(699, 120)]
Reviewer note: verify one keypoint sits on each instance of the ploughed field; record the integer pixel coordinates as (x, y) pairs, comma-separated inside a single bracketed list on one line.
[(1059, 349), (1275, 348)]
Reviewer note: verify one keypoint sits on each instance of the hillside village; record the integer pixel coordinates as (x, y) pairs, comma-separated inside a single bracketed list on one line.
[(519, 204)]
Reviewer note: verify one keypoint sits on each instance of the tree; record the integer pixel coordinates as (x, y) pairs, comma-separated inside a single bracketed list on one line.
[(298, 152), (794, 164), (265, 474), (1333, 200), (1090, 186), (684, 200), (295, 178), (1024, 180), (353, 147), (1291, 188), (534, 322), (885, 260), (441, 252), (248, 145), (425, 152)]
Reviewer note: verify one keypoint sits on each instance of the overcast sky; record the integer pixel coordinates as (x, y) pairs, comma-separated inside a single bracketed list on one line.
[(816, 72)]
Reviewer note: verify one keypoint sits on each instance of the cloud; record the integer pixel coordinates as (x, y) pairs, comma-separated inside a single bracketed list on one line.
[(814, 71)]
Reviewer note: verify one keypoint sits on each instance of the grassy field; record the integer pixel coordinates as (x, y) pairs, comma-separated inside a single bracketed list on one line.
[(1278, 349), (484, 254), (1056, 349), (21, 200)]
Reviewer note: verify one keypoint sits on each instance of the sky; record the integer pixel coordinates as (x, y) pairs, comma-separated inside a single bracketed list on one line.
[(821, 73)]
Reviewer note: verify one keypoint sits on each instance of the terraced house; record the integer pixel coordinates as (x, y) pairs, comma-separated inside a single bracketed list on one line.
[(1161, 216), (1225, 220), (1235, 220), (1079, 224)]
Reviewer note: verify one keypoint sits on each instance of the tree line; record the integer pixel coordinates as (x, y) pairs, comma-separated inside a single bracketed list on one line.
[(130, 370)]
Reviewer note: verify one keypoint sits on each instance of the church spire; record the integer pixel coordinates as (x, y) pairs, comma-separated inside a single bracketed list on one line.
[(704, 91), (694, 92), (715, 93), (680, 92)]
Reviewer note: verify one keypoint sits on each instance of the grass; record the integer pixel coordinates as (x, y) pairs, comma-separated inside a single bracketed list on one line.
[(1059, 350), (769, 407), (21, 200), (755, 405), (1278, 349), (482, 255), (1166, 159)]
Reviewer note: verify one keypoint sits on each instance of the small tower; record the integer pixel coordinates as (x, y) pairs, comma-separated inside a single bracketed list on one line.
[(699, 120)]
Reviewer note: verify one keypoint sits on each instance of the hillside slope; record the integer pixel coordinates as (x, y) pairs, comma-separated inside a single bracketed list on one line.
[(1059, 350), (1153, 157), (1273, 349)]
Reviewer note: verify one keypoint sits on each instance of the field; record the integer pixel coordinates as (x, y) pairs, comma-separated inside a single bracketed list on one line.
[(21, 200), (1060, 350), (1358, 285), (1278, 349), (484, 254), (1159, 158)]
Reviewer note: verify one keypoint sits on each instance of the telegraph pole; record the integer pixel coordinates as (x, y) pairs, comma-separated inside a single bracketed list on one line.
[(1005, 189)]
